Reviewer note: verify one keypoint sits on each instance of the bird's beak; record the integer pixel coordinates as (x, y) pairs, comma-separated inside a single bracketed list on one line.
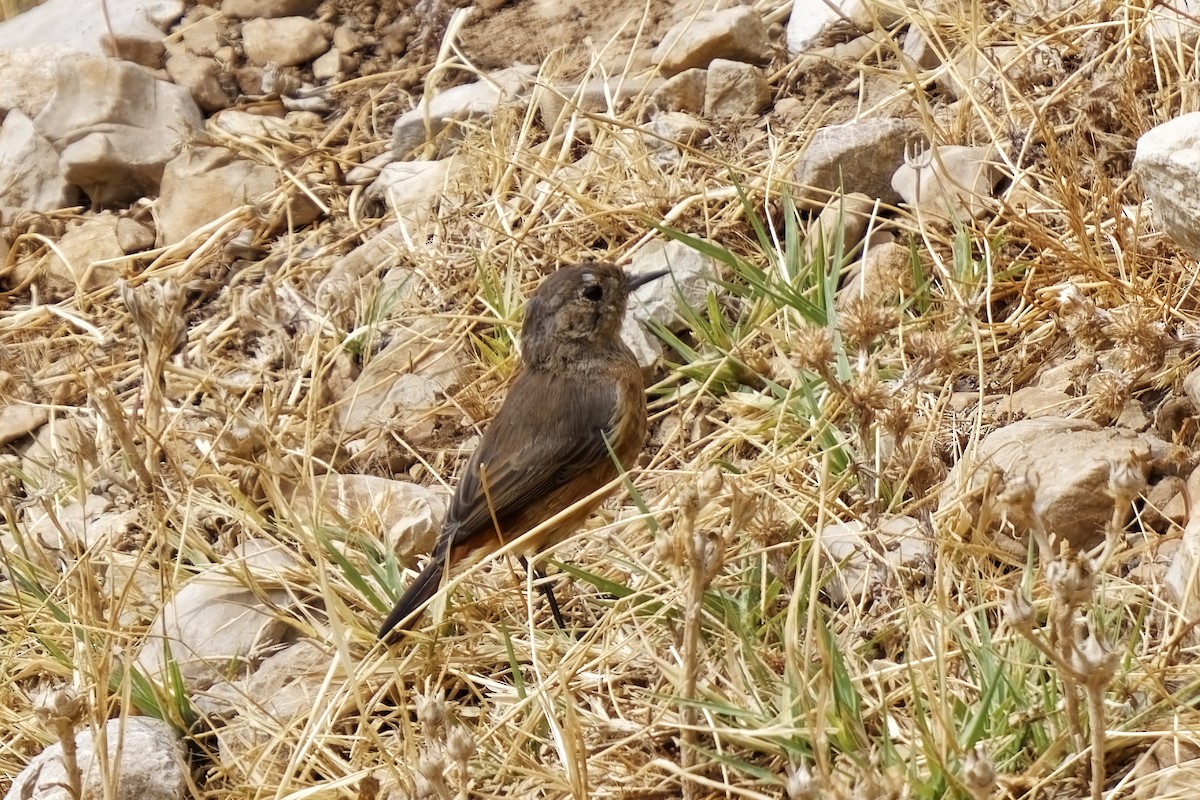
[(640, 280)]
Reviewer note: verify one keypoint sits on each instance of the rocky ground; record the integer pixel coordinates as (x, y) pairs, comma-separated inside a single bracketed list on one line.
[(916, 513)]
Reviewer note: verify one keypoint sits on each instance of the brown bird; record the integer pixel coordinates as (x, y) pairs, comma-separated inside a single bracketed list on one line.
[(577, 402)]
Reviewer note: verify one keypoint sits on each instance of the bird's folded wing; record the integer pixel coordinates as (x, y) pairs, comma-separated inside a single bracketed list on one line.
[(528, 452)]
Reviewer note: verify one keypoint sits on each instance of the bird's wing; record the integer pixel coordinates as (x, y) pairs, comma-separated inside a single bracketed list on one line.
[(549, 430)]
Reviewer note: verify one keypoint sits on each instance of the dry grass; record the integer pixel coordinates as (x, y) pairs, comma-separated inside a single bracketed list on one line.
[(709, 660)]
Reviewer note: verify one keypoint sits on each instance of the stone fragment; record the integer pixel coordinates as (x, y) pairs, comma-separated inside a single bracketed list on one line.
[(667, 130), (870, 564), (145, 762), (682, 92), (84, 27), (1167, 162), (1066, 463), (251, 127), (203, 32), (352, 275), (406, 516), (462, 103), (844, 220), (203, 184), (855, 157), (401, 387), (271, 9), (29, 74), (284, 41), (133, 236), (348, 40), (1182, 581), (221, 620), (20, 419), (692, 276), (1030, 402), (678, 127), (734, 89), (29, 175), (413, 190), (330, 65), (87, 257), (64, 440), (202, 77), (812, 18), (949, 181), (285, 688), (1021, 67), (918, 52), (115, 126), (79, 526), (736, 34), (883, 272)]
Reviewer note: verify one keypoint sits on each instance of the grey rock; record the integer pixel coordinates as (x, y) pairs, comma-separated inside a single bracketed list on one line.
[(595, 96), (682, 92), (29, 75), (1167, 162), (413, 190), (86, 26), (221, 619), (467, 102), (115, 126), (949, 181), (204, 183), (812, 18), (401, 386), (736, 34), (1067, 462), (202, 77), (251, 9), (406, 516), (20, 419), (844, 219), (735, 89), (145, 762), (30, 178), (87, 257), (285, 41), (856, 157), (691, 277), (133, 236), (871, 563)]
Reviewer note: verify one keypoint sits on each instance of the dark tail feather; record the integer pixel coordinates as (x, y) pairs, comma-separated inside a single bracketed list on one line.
[(411, 602)]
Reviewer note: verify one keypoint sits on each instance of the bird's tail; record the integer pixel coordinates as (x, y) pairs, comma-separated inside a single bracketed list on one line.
[(409, 606)]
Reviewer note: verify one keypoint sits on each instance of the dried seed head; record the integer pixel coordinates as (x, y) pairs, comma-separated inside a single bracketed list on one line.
[(461, 744), (432, 710), (59, 709), (813, 348), (1072, 579), (429, 780), (1019, 611), (930, 354), (1016, 498), (1108, 393), (1127, 478), (801, 785), (1096, 661), (862, 321), (1142, 339), (979, 774)]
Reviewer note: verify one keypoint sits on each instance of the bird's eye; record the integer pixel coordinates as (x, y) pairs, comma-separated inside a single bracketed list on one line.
[(592, 292)]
